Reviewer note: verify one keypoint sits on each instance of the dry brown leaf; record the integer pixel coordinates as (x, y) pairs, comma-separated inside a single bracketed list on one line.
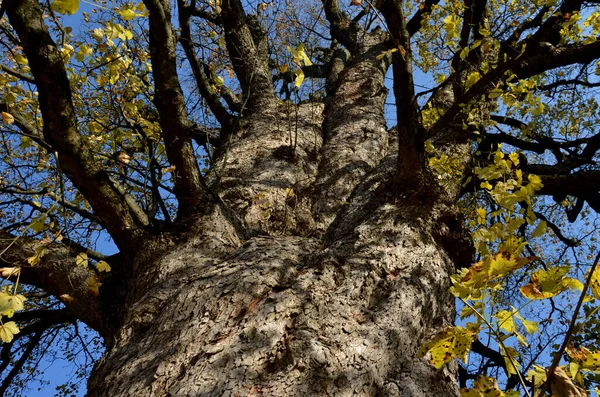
[(563, 386)]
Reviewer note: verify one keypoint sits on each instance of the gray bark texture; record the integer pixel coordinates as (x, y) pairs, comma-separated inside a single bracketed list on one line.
[(313, 257), (284, 309), (310, 260)]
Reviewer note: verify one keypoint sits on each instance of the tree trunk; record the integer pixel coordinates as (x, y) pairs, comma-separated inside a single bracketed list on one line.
[(287, 310)]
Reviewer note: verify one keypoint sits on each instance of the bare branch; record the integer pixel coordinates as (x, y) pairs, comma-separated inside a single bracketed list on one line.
[(202, 78)]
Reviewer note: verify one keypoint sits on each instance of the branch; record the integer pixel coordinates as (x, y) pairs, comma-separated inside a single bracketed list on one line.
[(342, 28), (561, 350), (170, 102), (202, 81), (579, 184), (26, 128), (60, 124), (18, 365), (496, 358), (313, 71), (17, 74), (560, 83), (531, 63), (57, 273), (414, 24), (411, 150), (248, 50)]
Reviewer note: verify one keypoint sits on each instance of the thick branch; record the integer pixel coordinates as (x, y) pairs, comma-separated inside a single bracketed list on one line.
[(411, 149), (341, 26), (414, 24), (248, 50), (170, 102), (580, 184), (60, 123), (56, 273)]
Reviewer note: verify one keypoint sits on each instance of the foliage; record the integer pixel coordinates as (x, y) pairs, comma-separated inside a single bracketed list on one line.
[(535, 229)]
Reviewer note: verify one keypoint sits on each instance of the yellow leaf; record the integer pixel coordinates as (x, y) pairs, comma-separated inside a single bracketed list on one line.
[(8, 331), (98, 34), (128, 14), (495, 93), (530, 326), (510, 360), (486, 185), (472, 79), (385, 53), (595, 283), (592, 361), (537, 375), (7, 118), (83, 52), (505, 321), (82, 259), (94, 285), (573, 369), (299, 78), (8, 272), (481, 215), (21, 60), (11, 303), (539, 109), (103, 266), (546, 283), (299, 55), (38, 224), (94, 127), (448, 344), (539, 230), (65, 6), (535, 183)]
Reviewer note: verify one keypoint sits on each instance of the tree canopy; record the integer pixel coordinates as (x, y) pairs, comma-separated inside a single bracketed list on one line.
[(120, 118)]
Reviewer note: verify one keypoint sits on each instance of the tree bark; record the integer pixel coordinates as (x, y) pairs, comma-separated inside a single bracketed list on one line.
[(280, 314)]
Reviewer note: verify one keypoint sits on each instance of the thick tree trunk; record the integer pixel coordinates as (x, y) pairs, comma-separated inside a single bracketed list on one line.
[(288, 310), (283, 316)]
